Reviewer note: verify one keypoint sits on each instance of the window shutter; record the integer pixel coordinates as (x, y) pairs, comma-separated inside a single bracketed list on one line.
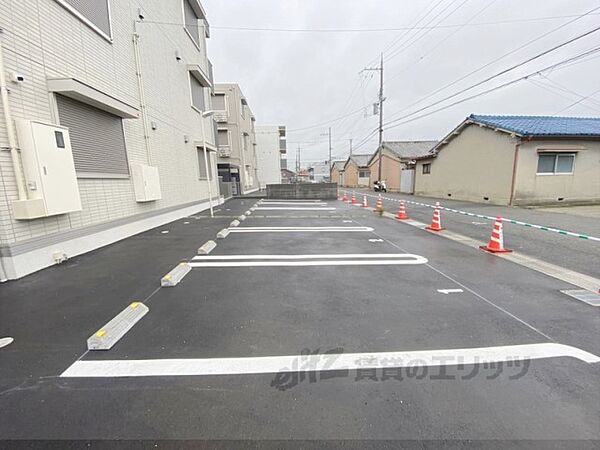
[(96, 137), (197, 93), (191, 22), (96, 11)]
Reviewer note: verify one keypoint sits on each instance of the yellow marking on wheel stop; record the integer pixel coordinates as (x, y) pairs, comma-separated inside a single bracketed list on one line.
[(100, 333), (134, 305)]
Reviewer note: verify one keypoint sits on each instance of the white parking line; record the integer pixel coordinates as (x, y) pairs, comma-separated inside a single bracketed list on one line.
[(292, 208), (322, 362), (406, 260), (306, 256), (6, 341), (295, 203), (299, 229)]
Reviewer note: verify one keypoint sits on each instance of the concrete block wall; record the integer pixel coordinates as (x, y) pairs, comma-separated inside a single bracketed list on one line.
[(317, 191), (43, 40)]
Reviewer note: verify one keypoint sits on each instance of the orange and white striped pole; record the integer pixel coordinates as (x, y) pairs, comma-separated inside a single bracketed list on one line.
[(353, 198), (364, 203), (496, 243), (345, 197), (402, 211), (379, 206), (436, 220)]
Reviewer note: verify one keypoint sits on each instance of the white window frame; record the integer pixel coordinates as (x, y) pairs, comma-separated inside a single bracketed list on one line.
[(88, 22), (228, 137), (556, 154), (226, 110), (201, 35), (192, 95), (209, 160)]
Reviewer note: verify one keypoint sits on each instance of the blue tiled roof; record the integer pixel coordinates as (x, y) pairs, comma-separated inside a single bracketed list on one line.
[(542, 125)]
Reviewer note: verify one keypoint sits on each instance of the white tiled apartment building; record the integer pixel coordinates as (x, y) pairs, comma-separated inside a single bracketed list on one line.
[(123, 84), (271, 153), (236, 138)]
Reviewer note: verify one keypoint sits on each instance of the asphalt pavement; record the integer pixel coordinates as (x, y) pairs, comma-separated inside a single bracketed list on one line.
[(309, 323), (573, 253)]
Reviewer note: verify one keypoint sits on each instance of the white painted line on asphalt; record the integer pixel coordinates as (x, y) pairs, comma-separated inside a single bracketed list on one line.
[(306, 256), (296, 203), (164, 232), (450, 291), (186, 223), (322, 362), (6, 341), (407, 260), (293, 208), (375, 240), (347, 221), (300, 229)]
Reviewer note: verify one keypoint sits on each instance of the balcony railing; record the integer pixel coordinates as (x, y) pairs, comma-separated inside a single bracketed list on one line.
[(224, 151), (221, 116)]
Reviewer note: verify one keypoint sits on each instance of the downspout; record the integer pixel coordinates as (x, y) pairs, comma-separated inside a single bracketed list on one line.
[(10, 131), (513, 183), (140, 83)]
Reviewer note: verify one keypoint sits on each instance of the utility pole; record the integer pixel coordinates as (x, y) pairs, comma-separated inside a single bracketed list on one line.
[(329, 152), (350, 146), (381, 100)]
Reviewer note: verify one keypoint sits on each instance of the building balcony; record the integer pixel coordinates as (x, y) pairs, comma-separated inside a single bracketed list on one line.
[(221, 116), (224, 151)]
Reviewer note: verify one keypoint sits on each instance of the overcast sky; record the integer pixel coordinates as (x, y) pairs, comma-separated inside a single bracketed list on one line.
[(306, 80)]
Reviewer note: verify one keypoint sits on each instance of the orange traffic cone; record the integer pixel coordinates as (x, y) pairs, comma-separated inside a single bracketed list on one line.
[(345, 197), (402, 211), (436, 221), (364, 203), (496, 244), (353, 198), (379, 206)]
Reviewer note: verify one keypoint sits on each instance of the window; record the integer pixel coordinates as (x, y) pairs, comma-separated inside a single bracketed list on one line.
[(243, 109), (97, 139), (364, 173), (245, 141), (94, 13), (202, 165), (197, 93), (426, 169), (223, 138), (60, 139), (553, 163), (191, 22), (219, 102)]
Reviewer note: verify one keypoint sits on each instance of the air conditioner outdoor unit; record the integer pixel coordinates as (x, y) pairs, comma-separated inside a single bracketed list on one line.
[(49, 171)]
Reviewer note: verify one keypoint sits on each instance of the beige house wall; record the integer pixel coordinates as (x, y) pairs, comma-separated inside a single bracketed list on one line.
[(351, 175), (582, 186), (475, 165), (335, 176), (390, 173)]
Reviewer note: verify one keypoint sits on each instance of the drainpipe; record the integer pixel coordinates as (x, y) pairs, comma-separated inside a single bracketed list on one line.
[(513, 183), (140, 83), (10, 131)]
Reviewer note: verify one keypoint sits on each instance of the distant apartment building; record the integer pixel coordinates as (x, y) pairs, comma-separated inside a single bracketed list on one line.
[(236, 138), (102, 135), (271, 153), (320, 172)]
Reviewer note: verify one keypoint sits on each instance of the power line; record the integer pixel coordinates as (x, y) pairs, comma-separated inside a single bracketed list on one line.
[(509, 83), (375, 30), (502, 72), (579, 101), (590, 12)]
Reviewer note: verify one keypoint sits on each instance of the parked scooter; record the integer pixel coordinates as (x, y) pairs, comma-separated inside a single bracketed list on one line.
[(380, 186)]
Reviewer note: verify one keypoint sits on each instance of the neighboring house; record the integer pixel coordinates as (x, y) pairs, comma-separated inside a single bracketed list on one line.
[(337, 172), (287, 176), (515, 160), (236, 138), (320, 172), (108, 139), (356, 171), (397, 157), (271, 153)]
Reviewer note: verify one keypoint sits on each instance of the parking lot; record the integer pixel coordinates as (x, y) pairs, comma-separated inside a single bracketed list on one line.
[(310, 320)]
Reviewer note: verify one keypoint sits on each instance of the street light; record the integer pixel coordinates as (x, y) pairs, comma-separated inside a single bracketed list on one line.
[(206, 114)]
